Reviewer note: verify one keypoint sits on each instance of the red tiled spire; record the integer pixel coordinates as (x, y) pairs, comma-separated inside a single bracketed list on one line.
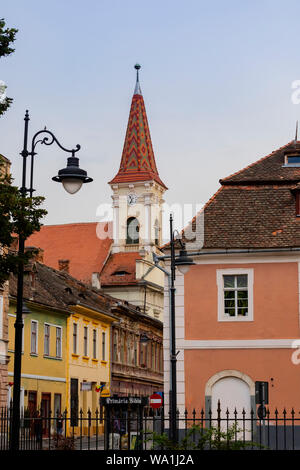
[(138, 162)]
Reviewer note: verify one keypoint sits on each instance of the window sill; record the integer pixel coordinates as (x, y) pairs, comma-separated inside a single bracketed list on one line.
[(235, 319), (95, 360), (11, 351), (85, 358), (52, 357), (34, 354), (76, 356), (104, 362)]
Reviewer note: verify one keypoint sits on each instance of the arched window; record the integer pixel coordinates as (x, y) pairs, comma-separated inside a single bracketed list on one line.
[(133, 229)]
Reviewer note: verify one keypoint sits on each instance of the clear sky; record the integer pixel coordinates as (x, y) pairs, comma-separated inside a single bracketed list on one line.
[(216, 79)]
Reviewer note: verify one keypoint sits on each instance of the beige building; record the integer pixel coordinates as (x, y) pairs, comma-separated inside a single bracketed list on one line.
[(89, 360)]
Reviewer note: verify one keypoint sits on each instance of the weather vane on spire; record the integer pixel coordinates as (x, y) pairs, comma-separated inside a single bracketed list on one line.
[(296, 134), (137, 90)]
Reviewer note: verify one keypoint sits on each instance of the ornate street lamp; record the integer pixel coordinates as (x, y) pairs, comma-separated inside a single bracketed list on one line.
[(72, 178)]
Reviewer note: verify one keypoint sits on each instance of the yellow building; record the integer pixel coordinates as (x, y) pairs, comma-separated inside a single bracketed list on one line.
[(89, 363), (66, 345), (43, 379)]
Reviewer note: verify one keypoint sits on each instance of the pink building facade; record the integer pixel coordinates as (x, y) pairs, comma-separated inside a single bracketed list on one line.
[(238, 307)]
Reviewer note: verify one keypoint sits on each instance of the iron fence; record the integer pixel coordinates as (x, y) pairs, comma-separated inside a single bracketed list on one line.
[(143, 429)]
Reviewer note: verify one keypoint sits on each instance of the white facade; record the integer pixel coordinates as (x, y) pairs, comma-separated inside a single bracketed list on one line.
[(143, 201)]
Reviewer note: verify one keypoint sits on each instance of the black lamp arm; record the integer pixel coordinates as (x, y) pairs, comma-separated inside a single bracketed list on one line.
[(49, 139), (46, 141)]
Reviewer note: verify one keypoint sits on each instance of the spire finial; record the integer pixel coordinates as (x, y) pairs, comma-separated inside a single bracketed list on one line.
[(296, 133), (137, 90)]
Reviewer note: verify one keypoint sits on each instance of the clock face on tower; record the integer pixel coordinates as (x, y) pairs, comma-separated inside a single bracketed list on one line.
[(132, 199)]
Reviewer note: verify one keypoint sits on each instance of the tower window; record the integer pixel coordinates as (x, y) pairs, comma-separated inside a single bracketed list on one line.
[(133, 229)]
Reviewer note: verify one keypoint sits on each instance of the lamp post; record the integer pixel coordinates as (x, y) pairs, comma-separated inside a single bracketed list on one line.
[(183, 263), (72, 178)]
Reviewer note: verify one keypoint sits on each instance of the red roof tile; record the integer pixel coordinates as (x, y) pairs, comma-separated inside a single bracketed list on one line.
[(255, 207), (138, 162), (77, 243), (268, 169), (124, 263)]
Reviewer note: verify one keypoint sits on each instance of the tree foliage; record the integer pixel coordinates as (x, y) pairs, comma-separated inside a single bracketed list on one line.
[(7, 38), (19, 216)]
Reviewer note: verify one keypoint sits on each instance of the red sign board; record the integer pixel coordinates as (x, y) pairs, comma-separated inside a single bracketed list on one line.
[(155, 400)]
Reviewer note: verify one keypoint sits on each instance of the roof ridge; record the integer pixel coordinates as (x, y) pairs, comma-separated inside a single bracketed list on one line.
[(196, 215), (78, 223), (256, 162)]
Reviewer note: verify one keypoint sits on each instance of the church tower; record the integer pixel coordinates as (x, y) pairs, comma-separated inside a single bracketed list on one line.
[(137, 188), (128, 272)]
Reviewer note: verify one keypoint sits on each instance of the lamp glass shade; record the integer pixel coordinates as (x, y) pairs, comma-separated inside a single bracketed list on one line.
[(183, 269), (183, 262), (72, 185)]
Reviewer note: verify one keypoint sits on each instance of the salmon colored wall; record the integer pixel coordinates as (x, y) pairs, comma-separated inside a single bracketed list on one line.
[(261, 364), (275, 295)]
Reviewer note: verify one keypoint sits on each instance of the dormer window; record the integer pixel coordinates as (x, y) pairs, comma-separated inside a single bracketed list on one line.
[(120, 273), (292, 159)]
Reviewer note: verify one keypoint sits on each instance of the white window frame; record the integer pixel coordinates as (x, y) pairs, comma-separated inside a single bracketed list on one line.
[(77, 327), (95, 344), (45, 352), (36, 337), (59, 354), (87, 341), (220, 284), (103, 345)]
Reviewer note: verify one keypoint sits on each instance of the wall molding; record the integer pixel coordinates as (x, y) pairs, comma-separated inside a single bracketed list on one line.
[(40, 377), (237, 344)]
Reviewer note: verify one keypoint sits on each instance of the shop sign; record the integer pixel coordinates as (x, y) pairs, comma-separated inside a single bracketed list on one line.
[(125, 401)]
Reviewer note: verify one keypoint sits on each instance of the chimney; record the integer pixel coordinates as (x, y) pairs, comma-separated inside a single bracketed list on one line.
[(95, 281), (36, 254), (63, 265)]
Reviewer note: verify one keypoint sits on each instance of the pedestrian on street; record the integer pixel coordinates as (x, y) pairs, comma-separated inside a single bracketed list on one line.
[(38, 429), (59, 424)]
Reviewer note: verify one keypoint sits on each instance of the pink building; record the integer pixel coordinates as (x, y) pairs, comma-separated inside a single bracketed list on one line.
[(238, 307)]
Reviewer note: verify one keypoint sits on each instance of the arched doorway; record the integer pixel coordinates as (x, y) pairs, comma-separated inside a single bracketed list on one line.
[(232, 393), (230, 396)]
